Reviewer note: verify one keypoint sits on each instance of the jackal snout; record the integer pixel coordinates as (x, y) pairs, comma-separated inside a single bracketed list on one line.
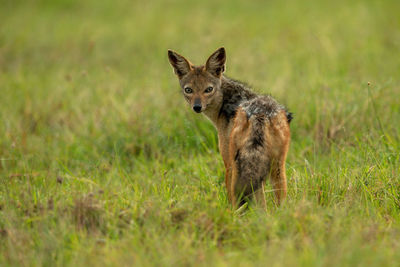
[(197, 107)]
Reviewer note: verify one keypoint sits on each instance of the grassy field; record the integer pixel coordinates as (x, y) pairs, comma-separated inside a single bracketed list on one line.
[(103, 163)]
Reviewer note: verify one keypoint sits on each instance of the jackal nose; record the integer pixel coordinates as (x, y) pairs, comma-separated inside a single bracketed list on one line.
[(197, 108)]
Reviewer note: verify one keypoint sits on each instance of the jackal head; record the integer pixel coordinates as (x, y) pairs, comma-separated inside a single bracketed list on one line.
[(200, 84)]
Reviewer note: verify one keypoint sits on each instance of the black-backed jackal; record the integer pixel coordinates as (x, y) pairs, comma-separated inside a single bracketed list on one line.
[(253, 130)]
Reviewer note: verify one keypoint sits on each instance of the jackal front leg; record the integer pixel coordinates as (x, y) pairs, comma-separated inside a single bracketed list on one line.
[(228, 179), (259, 197)]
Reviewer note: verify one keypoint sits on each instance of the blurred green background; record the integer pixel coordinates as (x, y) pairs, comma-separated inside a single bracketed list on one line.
[(102, 161)]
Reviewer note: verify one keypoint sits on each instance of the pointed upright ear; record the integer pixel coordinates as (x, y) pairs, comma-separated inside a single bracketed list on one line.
[(180, 64), (216, 62)]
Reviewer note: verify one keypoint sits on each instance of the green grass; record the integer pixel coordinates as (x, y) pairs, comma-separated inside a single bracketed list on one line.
[(103, 163)]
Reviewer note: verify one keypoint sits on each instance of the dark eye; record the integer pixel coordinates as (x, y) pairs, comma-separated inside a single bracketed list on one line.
[(209, 89), (188, 90)]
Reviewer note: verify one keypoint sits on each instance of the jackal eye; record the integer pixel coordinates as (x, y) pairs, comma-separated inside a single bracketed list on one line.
[(209, 90), (188, 90)]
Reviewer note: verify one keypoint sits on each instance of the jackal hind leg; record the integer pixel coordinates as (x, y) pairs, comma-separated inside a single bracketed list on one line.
[(278, 181)]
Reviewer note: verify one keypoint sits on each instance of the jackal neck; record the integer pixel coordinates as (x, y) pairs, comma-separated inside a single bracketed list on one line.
[(234, 93)]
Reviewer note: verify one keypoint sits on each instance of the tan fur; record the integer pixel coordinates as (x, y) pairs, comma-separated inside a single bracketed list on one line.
[(238, 137), (278, 137)]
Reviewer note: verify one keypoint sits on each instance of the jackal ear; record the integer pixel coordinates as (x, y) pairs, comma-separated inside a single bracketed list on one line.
[(180, 64), (216, 62)]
